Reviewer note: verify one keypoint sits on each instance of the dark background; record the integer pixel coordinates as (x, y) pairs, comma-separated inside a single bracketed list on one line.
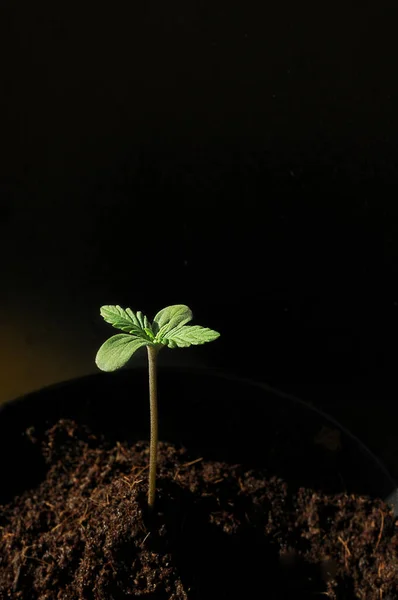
[(237, 157)]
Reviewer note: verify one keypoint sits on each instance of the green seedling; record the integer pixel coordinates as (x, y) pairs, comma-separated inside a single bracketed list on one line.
[(168, 329)]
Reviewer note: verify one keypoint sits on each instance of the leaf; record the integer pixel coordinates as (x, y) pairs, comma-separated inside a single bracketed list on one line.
[(117, 350), (125, 320), (170, 318), (190, 336), (131, 315), (141, 319)]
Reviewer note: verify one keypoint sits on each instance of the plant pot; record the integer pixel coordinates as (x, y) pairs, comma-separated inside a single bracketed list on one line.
[(225, 421)]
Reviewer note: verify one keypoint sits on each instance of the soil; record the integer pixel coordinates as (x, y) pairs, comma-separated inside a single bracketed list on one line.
[(218, 530)]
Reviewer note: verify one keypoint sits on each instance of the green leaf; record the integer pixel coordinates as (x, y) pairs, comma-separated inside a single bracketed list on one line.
[(170, 318), (116, 351), (126, 320), (131, 315), (141, 319), (190, 336)]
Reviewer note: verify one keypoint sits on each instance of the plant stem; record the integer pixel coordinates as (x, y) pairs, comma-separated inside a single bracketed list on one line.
[(153, 402)]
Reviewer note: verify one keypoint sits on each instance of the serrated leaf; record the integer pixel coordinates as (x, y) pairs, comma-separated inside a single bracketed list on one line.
[(117, 350), (132, 316), (125, 320), (141, 318), (171, 318), (190, 336)]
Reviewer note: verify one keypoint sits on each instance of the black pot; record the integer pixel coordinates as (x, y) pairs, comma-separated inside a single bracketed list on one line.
[(214, 415)]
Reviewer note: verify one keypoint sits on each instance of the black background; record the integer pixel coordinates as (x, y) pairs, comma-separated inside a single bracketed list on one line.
[(237, 157)]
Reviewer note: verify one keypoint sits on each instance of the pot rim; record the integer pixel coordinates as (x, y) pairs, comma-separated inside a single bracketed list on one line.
[(392, 498)]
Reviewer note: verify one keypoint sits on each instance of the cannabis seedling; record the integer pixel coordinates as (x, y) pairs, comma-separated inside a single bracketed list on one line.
[(168, 328)]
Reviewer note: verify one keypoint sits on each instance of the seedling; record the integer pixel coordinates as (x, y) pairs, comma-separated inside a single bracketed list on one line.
[(168, 329)]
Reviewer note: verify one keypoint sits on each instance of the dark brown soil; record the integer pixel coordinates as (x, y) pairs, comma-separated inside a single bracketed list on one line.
[(218, 531)]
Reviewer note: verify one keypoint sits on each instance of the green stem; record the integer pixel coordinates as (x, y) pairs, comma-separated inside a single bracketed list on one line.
[(153, 401)]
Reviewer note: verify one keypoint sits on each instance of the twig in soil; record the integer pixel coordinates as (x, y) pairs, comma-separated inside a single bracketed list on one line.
[(135, 480), (379, 569), (188, 464), (145, 539), (192, 462), (381, 529), (81, 519), (131, 484), (347, 551), (16, 578), (140, 469), (40, 560), (72, 518)]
